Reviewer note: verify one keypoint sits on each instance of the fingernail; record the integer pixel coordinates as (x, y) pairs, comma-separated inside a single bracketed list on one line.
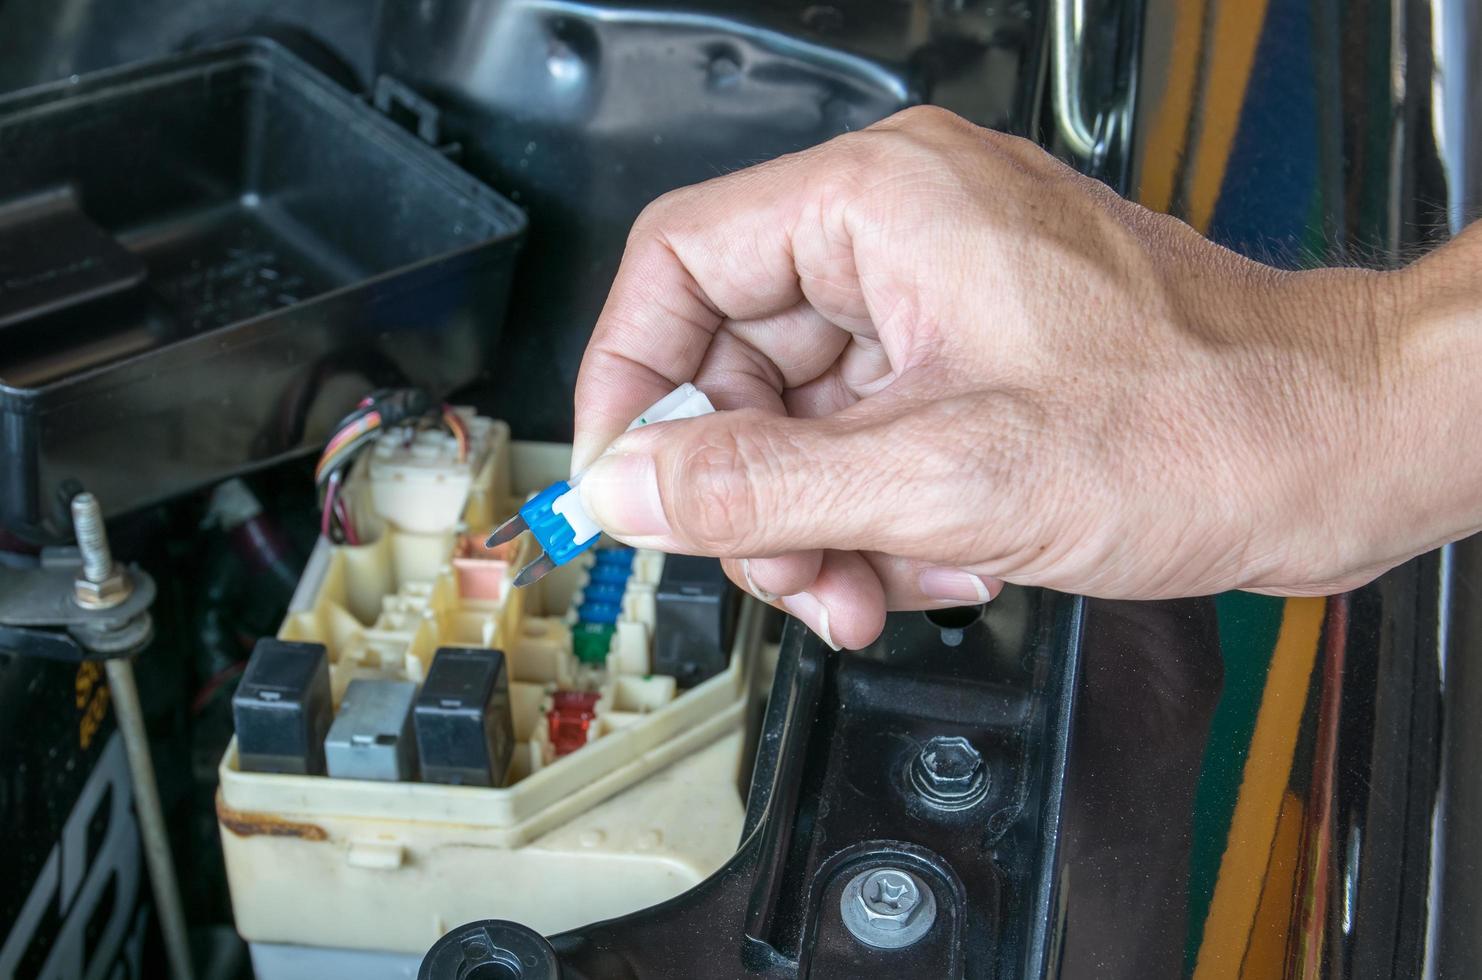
[(621, 492), (954, 585), (813, 613), (751, 585)]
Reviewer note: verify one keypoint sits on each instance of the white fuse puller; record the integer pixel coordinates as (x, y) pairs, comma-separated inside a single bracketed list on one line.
[(556, 516)]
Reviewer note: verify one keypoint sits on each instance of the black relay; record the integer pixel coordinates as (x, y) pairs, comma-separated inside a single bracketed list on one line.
[(465, 735), (282, 708), (696, 619)]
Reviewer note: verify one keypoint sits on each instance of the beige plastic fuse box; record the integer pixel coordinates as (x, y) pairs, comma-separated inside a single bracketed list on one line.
[(648, 807)]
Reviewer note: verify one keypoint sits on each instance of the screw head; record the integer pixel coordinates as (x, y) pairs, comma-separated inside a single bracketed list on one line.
[(887, 908), (889, 898), (949, 773)]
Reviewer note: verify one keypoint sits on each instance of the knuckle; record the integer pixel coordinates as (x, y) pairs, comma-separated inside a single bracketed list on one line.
[(657, 215), (718, 506), (851, 156), (928, 118)]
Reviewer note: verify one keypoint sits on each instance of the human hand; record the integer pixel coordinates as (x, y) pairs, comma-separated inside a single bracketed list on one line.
[(952, 362)]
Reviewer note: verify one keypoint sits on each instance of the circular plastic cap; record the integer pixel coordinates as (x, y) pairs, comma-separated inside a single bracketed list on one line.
[(492, 949)]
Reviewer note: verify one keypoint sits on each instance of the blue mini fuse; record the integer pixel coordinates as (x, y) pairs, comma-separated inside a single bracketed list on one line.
[(605, 613), (610, 574), (616, 558), (561, 524), (602, 592)]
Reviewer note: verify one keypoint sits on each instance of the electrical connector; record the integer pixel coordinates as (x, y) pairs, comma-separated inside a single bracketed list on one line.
[(556, 516)]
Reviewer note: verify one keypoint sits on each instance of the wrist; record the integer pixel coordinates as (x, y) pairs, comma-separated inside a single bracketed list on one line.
[(1392, 468), (1357, 434), (1434, 464)]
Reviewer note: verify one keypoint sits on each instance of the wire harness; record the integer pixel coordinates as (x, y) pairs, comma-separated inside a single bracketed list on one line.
[(378, 413)]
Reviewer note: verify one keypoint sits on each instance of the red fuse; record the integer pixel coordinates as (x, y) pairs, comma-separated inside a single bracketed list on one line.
[(570, 718)]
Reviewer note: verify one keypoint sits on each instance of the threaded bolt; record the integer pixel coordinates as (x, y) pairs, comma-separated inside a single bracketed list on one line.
[(92, 538)]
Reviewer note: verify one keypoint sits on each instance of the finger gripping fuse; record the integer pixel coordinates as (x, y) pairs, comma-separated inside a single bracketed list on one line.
[(556, 517)]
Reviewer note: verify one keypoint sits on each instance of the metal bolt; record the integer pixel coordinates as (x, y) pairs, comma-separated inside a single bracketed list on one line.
[(949, 773), (889, 898), (92, 539), (887, 908), (102, 584)]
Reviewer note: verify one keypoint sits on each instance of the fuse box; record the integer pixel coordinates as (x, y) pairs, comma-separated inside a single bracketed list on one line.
[(609, 787)]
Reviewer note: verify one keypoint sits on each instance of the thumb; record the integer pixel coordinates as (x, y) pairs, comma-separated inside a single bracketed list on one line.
[(748, 484)]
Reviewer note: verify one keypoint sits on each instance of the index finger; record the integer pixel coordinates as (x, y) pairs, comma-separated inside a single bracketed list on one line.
[(697, 258)]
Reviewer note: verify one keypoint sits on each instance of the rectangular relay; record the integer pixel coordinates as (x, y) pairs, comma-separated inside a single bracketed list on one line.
[(371, 737)]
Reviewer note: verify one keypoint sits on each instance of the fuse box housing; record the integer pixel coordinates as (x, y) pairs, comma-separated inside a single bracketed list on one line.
[(646, 807)]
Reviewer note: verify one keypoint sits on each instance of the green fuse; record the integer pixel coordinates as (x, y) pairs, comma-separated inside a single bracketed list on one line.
[(591, 641)]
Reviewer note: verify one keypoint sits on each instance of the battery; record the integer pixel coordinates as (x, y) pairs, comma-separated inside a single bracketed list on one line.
[(281, 708), (465, 735), (371, 737)]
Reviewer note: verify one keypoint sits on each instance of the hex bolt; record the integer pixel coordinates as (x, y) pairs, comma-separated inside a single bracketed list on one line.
[(92, 539), (889, 898), (949, 773), (887, 908)]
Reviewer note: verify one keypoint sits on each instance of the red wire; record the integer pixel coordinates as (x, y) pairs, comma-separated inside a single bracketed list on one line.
[(347, 527), (331, 495)]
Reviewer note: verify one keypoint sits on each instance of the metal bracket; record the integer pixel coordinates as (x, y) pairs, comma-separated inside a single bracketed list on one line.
[(40, 618)]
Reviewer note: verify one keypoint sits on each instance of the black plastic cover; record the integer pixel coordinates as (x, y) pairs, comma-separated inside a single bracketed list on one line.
[(53, 258), (282, 708), (696, 619), (465, 733), (269, 247)]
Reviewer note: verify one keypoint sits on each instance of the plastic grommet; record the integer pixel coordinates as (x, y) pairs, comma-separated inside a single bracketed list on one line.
[(491, 949)]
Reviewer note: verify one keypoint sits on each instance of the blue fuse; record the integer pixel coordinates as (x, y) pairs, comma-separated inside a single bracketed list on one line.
[(603, 613), (610, 575), (602, 592), (556, 516), (616, 558)]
